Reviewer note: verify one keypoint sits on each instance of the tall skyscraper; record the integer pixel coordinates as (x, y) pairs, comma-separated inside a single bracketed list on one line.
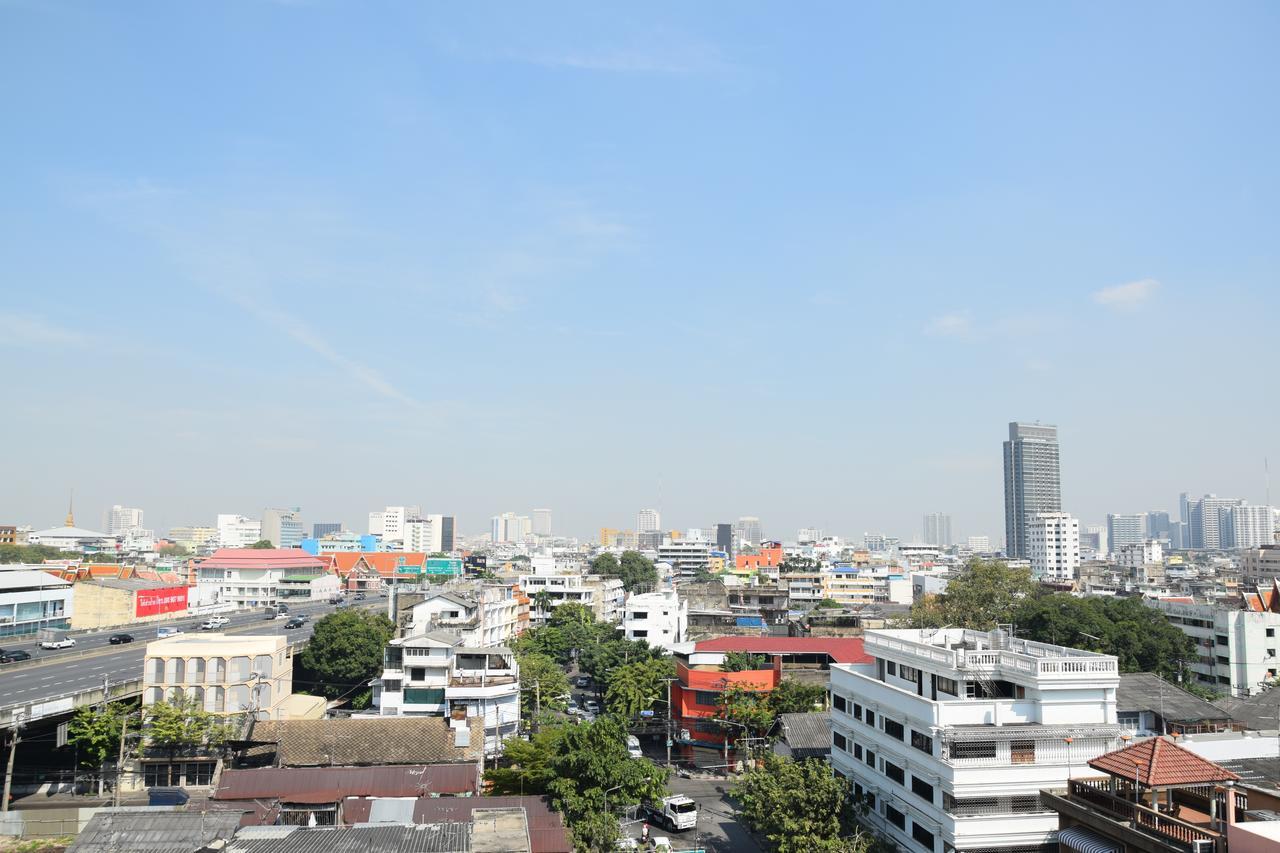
[(1249, 527), (1158, 525), (937, 529), (542, 522), (724, 538), (1053, 544), (1032, 481), (124, 519), (748, 530), (1125, 529), (648, 521), (1209, 515)]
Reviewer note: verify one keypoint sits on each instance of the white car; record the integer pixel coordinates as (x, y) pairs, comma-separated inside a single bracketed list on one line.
[(214, 624), (64, 643), (633, 747)]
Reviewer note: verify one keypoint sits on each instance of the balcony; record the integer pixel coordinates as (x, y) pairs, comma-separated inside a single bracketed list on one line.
[(964, 650), (1108, 805)]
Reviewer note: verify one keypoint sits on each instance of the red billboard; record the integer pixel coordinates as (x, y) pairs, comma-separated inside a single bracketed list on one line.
[(150, 602)]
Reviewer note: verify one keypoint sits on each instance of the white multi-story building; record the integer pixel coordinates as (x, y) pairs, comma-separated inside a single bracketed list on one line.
[(854, 586), (659, 618), (249, 577), (1134, 557), (237, 531), (487, 615), (542, 522), (195, 539), (283, 528), (809, 535), (980, 544), (124, 519), (937, 529), (1236, 650), (426, 534), (1053, 542), (1250, 526), (687, 557), (748, 530), (1126, 529), (950, 735), (389, 523), (32, 599), (604, 596), (648, 521), (434, 674)]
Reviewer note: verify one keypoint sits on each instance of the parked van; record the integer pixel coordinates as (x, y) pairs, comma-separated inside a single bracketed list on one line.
[(161, 633)]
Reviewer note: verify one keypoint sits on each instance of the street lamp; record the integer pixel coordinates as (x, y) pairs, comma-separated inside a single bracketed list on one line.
[(724, 722)]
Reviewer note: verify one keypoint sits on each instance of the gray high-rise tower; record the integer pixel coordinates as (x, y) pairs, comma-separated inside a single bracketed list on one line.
[(1032, 481)]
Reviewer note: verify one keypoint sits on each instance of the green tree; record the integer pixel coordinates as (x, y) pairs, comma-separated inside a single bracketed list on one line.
[(796, 697), (606, 564), (345, 651), (183, 723), (829, 604), (800, 806), (262, 544), (173, 549), (635, 687), (95, 733), (34, 554), (542, 683), (749, 708), (526, 766), (636, 571), (743, 661), (987, 593), (612, 651)]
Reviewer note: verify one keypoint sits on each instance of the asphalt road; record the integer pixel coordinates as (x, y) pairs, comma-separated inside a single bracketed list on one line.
[(718, 829), (63, 672)]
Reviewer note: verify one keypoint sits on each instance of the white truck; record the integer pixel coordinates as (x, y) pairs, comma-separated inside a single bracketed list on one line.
[(676, 813)]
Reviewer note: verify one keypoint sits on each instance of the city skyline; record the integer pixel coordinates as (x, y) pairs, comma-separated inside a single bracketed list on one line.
[(661, 219)]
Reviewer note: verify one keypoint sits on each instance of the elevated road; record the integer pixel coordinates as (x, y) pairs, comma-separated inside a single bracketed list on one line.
[(58, 682)]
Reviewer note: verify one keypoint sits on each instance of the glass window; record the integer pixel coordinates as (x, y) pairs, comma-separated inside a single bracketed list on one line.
[(155, 671), (839, 702), (196, 695), (154, 695), (921, 788), (706, 697), (195, 670), (217, 670), (262, 665), (895, 773), (922, 836), (238, 697), (215, 700), (895, 817), (239, 668), (869, 718), (840, 741), (893, 728), (922, 742), (263, 690)]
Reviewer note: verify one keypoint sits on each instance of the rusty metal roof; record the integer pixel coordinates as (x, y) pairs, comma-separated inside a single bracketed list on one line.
[(547, 832), (330, 784)]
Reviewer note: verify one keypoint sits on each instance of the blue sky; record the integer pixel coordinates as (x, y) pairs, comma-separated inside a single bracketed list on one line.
[(803, 263)]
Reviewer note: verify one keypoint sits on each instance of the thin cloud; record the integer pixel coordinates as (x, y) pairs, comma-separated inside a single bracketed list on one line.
[(956, 324), (1126, 297), (31, 330)]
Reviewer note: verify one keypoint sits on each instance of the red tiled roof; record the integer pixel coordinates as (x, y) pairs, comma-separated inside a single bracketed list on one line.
[(1160, 762), (841, 649), (261, 558), (382, 562)]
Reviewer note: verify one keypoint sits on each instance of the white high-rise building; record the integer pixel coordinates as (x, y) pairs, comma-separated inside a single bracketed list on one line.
[(1250, 527), (542, 522), (648, 521), (937, 529), (1053, 543), (429, 534), (124, 519), (510, 527), (1032, 481), (1126, 529), (809, 535), (950, 735), (1209, 515), (389, 523), (237, 531), (980, 544)]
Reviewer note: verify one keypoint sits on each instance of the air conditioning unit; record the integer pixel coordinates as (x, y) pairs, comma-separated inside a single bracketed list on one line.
[(1202, 845)]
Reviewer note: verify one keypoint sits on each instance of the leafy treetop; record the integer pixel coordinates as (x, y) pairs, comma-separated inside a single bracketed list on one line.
[(800, 806), (346, 650)]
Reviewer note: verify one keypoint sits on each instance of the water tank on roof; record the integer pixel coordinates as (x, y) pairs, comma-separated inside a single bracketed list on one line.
[(999, 639)]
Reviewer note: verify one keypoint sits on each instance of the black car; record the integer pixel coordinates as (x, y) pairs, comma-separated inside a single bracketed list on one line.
[(117, 639), (295, 622), (15, 655), (359, 596)]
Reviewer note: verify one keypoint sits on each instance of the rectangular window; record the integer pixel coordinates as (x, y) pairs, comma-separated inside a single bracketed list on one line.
[(870, 758), (869, 718), (1271, 632), (1022, 752), (948, 685), (857, 710), (910, 673), (974, 749), (1221, 639), (891, 667), (706, 697), (921, 788), (841, 742), (924, 743), (922, 836), (857, 752), (199, 773), (839, 702), (895, 773), (893, 728), (895, 817)]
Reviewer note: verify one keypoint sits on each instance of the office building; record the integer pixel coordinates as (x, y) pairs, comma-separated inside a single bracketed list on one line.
[(1158, 525), (389, 522), (1032, 481), (542, 522), (809, 535), (748, 530), (1095, 540), (1125, 530), (31, 599), (685, 557), (197, 540), (283, 528), (980, 544), (1053, 543), (1249, 526), (1207, 521), (510, 528), (430, 534), (648, 521), (1135, 557), (937, 529), (124, 519), (319, 530), (950, 735), (236, 531), (1236, 649)]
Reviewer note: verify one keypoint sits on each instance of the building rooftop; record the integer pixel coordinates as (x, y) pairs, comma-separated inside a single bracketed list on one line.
[(1160, 763), (261, 558), (131, 584), (153, 829), (331, 784), (1146, 691), (807, 732), (370, 838), (214, 643), (362, 741), (24, 578), (1258, 712), (840, 649)]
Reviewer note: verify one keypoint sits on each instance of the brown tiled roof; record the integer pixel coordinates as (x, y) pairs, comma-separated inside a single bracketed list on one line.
[(331, 784), (1160, 762), (366, 741)]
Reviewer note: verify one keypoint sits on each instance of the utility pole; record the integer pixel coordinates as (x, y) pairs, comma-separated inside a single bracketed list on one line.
[(115, 794), (8, 772), (537, 706), (670, 720)]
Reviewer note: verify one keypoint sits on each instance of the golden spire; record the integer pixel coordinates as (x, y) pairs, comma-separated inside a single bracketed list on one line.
[(71, 515)]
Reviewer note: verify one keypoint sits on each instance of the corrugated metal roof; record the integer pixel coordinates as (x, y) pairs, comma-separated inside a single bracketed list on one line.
[(389, 810), (428, 838), (547, 832), (807, 731), (153, 829), (1146, 691), (330, 784), (366, 741)]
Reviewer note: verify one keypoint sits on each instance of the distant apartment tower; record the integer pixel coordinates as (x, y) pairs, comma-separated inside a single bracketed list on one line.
[(980, 544), (1207, 521), (1130, 529), (236, 531), (429, 534), (542, 522), (724, 538), (748, 530), (510, 527), (1094, 538), (1053, 543), (283, 527), (809, 535), (937, 529), (1159, 525), (1249, 526), (389, 523), (124, 519), (1032, 481), (648, 521), (321, 529)]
